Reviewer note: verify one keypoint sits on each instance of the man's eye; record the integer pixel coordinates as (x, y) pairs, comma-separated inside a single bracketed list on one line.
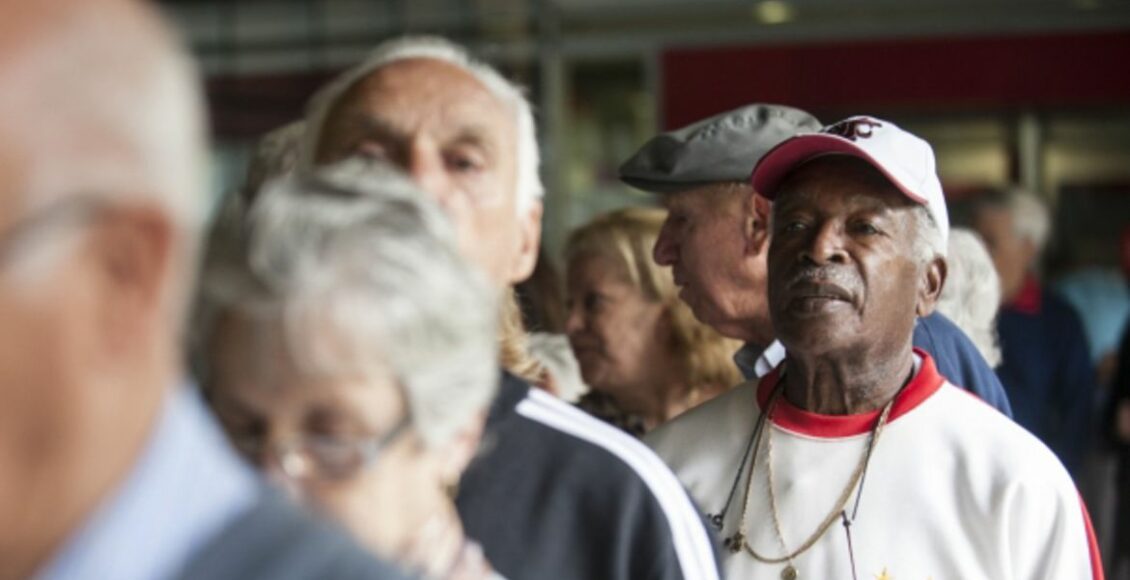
[(793, 226), (866, 229), (464, 162), (248, 438), (592, 301)]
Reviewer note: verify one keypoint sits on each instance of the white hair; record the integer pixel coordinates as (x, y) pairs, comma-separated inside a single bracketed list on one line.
[(528, 182), (275, 155), (972, 293), (928, 242), (555, 354), (112, 109), (1030, 218), (362, 272), (104, 106)]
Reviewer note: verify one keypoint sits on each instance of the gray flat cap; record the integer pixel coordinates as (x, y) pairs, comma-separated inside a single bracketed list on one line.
[(722, 148)]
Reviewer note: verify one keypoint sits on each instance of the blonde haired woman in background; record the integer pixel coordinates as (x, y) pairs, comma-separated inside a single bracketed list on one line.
[(640, 348)]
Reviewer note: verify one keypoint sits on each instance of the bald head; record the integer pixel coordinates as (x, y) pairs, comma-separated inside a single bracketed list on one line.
[(458, 128)]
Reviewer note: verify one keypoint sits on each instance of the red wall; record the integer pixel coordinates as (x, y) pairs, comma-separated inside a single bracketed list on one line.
[(919, 74)]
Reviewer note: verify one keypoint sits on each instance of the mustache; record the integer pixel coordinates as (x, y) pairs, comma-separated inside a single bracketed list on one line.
[(839, 282)]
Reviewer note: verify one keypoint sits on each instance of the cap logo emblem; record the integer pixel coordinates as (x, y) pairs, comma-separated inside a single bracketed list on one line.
[(853, 129)]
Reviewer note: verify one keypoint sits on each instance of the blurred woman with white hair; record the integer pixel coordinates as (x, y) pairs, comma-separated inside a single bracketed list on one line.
[(972, 293), (350, 354)]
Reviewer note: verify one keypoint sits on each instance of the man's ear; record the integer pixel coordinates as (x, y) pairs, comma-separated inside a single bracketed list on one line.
[(133, 255), (756, 223), (529, 242), (930, 287)]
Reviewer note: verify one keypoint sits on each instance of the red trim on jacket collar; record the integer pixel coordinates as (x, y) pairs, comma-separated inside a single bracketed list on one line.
[(792, 418), (1030, 298)]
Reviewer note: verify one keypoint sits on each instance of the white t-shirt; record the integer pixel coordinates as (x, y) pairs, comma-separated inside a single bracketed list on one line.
[(954, 489)]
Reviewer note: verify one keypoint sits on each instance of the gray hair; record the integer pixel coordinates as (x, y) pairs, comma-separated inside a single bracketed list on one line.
[(928, 242), (275, 155), (99, 116), (1030, 218), (529, 186), (362, 272), (972, 293), (104, 105)]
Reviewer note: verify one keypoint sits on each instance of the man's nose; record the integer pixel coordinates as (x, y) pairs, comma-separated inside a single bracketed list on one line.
[(826, 245), (427, 169)]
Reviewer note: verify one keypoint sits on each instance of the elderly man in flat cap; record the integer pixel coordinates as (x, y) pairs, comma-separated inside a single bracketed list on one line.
[(859, 459), (717, 233)]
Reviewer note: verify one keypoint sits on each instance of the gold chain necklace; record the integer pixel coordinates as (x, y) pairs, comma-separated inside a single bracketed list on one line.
[(739, 540)]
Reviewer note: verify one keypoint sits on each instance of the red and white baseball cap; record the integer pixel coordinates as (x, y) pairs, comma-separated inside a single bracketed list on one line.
[(906, 160)]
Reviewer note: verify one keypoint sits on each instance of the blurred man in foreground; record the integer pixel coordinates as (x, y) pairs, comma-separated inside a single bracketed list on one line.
[(109, 468), (1045, 362)]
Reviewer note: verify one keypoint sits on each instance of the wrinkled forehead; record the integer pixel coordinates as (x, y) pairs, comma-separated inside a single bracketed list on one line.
[(856, 184), (423, 95)]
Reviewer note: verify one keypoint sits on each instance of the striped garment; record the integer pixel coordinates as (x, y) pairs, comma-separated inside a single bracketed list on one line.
[(556, 493)]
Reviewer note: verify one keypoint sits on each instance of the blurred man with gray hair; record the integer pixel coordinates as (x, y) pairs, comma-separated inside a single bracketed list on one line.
[(1046, 365), (554, 493), (108, 467)]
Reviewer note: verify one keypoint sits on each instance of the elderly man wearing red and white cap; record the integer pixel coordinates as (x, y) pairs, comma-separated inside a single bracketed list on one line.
[(861, 460)]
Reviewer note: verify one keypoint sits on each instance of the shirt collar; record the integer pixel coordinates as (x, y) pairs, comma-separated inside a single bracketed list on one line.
[(1030, 298), (186, 486), (926, 382)]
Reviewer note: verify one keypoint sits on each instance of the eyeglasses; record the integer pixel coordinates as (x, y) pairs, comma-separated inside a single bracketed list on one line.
[(72, 210), (319, 456)]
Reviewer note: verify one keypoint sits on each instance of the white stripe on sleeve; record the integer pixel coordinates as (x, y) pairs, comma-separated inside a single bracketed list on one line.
[(688, 531)]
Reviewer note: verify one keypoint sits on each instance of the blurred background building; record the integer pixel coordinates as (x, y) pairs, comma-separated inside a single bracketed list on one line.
[(1029, 91)]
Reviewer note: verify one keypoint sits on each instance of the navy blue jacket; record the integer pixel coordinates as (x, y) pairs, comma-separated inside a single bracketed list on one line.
[(1047, 372), (555, 493), (959, 361)]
